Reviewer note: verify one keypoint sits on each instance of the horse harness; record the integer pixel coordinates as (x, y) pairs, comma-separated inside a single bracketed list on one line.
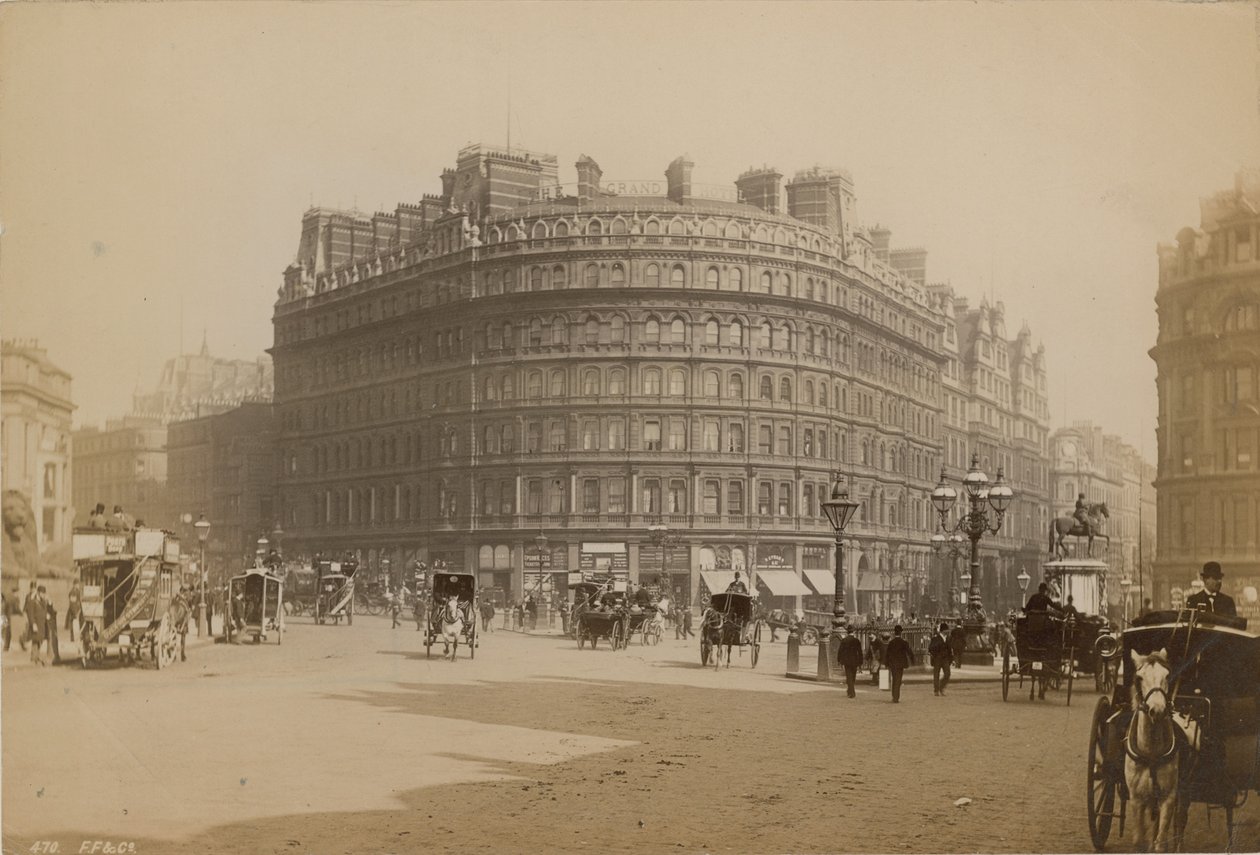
[(1151, 762)]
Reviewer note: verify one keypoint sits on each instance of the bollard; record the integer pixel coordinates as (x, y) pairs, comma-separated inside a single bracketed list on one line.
[(793, 651), (824, 655)]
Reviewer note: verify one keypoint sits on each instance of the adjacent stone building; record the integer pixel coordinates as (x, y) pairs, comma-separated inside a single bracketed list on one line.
[(36, 439), (1208, 363), (123, 464)]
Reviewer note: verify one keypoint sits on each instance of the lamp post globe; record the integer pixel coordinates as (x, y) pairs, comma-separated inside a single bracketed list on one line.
[(1023, 579), (202, 525)]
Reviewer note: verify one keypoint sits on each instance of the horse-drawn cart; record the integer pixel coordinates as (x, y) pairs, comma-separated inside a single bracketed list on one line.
[(1182, 727), (256, 597), (452, 613), (729, 621), (131, 602)]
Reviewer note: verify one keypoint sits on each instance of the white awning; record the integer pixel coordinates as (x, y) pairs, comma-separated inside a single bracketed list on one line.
[(717, 580), (783, 583), (824, 581)]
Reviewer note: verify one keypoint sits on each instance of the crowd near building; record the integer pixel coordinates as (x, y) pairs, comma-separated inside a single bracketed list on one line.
[(1208, 432), (655, 378)]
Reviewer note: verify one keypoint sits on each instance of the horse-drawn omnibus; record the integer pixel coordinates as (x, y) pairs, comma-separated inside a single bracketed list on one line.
[(130, 584), (1182, 727), (334, 594)]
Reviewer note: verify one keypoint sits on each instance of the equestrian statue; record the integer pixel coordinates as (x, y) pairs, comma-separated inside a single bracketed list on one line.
[(1086, 521)]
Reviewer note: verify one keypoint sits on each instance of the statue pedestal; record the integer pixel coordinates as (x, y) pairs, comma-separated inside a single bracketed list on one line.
[(977, 651)]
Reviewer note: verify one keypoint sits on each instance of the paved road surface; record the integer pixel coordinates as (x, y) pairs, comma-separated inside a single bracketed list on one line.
[(348, 740)]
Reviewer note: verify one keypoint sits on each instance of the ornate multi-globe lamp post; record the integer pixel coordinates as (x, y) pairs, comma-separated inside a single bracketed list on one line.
[(951, 546), (839, 510), (982, 498)]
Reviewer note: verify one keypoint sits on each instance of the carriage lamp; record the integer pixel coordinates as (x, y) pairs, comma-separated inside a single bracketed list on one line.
[(983, 497), (203, 533), (839, 510)]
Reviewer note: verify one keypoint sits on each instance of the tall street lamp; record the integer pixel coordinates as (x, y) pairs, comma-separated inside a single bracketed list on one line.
[(951, 546), (974, 524), (541, 542), (1125, 584), (203, 532), (1023, 579), (839, 510)]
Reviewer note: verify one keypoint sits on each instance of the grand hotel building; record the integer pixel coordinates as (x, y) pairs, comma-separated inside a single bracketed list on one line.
[(651, 378)]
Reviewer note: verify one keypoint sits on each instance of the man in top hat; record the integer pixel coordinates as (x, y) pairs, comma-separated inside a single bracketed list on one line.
[(1210, 599)]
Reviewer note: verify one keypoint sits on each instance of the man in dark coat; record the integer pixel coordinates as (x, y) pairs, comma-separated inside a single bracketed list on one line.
[(940, 657), (849, 655), (37, 624), (1210, 599), (957, 644), (897, 658)]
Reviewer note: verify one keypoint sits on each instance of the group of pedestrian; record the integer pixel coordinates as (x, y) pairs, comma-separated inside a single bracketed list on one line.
[(41, 621), (896, 656)]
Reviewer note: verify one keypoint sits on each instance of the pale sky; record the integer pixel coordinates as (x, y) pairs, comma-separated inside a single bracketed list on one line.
[(156, 158)]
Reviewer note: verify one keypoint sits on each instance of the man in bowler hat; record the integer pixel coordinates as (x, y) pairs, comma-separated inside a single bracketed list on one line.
[(1210, 599), (897, 658), (849, 655), (941, 658)]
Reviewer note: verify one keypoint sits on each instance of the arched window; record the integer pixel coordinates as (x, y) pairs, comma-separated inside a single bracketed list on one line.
[(711, 279), (590, 382), (709, 229), (489, 391), (765, 282), (809, 392), (594, 227), (780, 339), (618, 227), (735, 279), (533, 384), (555, 388), (539, 231), (785, 390), (677, 276), (616, 381), (489, 440), (509, 339), (507, 387), (735, 386), (677, 383), (766, 389), (557, 277), (652, 331), (676, 227), (591, 274), (562, 229), (822, 394), (711, 384), (711, 332), (735, 333), (618, 275), (592, 331), (677, 331), (652, 227), (652, 276), (559, 330), (493, 338), (651, 381), (535, 279), (535, 332), (617, 329), (785, 284), (811, 342), (764, 342), (809, 287)]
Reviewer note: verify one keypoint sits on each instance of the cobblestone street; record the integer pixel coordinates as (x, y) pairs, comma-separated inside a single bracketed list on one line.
[(347, 739)]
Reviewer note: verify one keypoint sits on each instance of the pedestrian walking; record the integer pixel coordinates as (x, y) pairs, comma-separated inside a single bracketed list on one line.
[(26, 612), (687, 633), (487, 616), (849, 655), (74, 610), (395, 608), (50, 629), (897, 658), (957, 644), (36, 624), (941, 657), (11, 610)]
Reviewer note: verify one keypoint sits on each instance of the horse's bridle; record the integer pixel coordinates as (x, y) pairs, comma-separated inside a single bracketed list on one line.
[(1144, 706)]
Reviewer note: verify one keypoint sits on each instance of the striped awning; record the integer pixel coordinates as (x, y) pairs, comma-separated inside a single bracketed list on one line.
[(783, 583)]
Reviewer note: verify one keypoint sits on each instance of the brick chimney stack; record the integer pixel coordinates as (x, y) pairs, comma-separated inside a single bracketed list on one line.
[(589, 175), (678, 177), (760, 188)]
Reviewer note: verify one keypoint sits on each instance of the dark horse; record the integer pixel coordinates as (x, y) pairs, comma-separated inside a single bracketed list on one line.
[(1064, 526)]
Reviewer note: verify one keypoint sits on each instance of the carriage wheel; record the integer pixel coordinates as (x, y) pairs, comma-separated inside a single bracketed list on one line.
[(375, 607), (621, 635), (756, 644), (1006, 673), (581, 639), (1101, 780), (705, 650)]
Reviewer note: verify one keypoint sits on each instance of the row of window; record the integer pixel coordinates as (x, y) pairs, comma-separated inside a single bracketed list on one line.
[(653, 226)]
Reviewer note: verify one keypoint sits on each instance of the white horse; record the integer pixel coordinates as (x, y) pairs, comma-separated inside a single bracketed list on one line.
[(452, 627), (1152, 759)]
